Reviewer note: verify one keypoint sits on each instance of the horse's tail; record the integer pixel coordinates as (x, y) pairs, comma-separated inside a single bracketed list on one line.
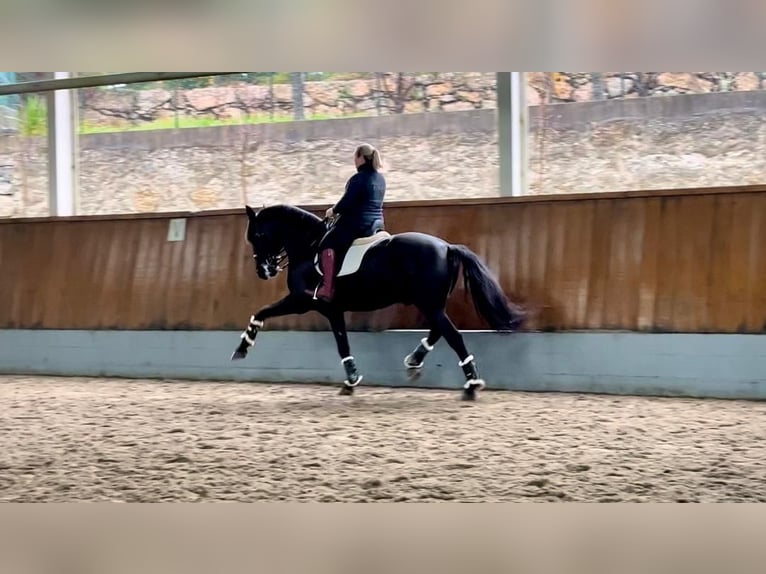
[(488, 297)]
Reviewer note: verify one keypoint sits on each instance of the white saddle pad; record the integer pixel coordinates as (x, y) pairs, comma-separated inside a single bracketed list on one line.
[(353, 259)]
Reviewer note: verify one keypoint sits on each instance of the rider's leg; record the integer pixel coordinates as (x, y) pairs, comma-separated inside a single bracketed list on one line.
[(332, 248), (327, 263), (325, 244)]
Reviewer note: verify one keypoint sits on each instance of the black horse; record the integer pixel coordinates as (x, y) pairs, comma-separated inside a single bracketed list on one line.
[(410, 268)]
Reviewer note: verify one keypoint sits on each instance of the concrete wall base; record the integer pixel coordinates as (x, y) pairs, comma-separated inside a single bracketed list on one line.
[(685, 365)]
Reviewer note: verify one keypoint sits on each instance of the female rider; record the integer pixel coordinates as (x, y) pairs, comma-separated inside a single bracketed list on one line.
[(360, 214)]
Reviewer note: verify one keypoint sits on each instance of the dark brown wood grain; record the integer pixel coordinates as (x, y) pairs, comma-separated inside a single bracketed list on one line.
[(755, 246), (598, 269), (647, 266), (681, 261)]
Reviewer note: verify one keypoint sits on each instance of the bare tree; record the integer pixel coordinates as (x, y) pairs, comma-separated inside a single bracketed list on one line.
[(398, 91)]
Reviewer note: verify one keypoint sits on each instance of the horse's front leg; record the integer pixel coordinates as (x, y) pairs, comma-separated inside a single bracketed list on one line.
[(289, 305), (353, 378)]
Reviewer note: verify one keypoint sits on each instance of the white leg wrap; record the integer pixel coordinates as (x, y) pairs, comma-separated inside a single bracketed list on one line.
[(347, 382), (253, 327), (359, 380), (476, 383), (426, 346)]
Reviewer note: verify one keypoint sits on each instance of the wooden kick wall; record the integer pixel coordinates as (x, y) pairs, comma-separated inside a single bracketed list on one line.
[(676, 261)]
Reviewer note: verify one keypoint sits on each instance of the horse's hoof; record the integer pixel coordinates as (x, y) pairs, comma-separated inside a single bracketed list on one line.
[(238, 354), (346, 391), (413, 374), (469, 391)]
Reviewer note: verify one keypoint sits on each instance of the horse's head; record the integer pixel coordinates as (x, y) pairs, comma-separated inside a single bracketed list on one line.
[(267, 245), (282, 231)]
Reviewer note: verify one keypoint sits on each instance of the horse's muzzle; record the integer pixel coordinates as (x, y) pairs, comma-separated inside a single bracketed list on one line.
[(267, 270)]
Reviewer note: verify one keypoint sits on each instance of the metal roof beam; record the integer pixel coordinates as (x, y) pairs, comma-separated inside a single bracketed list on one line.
[(105, 80)]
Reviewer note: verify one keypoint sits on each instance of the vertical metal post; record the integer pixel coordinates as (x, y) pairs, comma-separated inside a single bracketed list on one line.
[(512, 131), (62, 139), (519, 131)]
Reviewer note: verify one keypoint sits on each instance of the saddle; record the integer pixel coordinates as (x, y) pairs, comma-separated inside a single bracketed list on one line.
[(355, 254)]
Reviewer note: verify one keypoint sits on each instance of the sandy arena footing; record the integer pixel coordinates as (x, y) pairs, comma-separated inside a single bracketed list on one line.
[(77, 439)]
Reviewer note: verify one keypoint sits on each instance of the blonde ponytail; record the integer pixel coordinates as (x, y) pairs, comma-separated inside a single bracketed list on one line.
[(370, 154), (376, 162)]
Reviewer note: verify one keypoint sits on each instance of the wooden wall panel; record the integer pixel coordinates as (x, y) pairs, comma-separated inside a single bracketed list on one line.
[(598, 270), (683, 261), (755, 246), (650, 249)]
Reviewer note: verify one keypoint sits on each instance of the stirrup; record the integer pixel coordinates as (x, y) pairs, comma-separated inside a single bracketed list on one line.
[(316, 297)]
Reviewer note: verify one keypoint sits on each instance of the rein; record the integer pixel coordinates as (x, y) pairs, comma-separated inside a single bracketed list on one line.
[(281, 257)]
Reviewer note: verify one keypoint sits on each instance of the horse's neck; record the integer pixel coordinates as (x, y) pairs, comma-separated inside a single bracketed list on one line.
[(301, 241), (297, 250)]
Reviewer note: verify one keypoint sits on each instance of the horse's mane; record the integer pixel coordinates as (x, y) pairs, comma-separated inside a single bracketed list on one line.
[(288, 212)]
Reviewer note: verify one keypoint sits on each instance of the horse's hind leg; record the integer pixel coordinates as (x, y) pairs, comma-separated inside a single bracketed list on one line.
[(353, 378), (455, 340), (415, 360)]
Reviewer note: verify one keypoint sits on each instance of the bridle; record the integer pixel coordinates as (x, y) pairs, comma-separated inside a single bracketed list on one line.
[(280, 259)]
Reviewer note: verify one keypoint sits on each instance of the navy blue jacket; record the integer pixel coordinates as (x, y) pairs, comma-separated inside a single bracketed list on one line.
[(361, 207)]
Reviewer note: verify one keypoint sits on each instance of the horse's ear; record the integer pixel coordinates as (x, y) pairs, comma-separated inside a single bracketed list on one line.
[(250, 212)]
